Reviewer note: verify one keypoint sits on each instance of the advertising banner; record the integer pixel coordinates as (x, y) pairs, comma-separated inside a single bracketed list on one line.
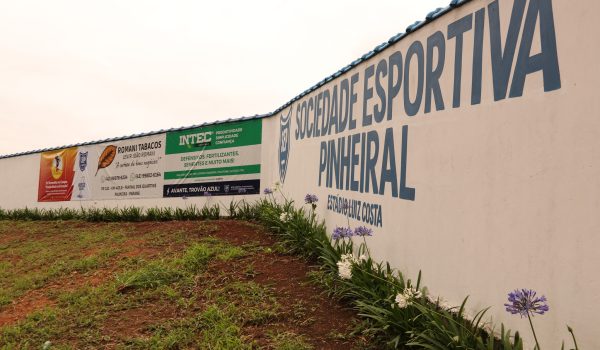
[(56, 175), (217, 160), (214, 160), (124, 169)]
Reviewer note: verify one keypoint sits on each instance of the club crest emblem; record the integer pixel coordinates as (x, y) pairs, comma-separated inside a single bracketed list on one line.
[(83, 160), (284, 144)]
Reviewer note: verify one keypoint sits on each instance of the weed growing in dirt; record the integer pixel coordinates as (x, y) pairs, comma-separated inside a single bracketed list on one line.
[(163, 272), (219, 331), (197, 257), (289, 341), (51, 252), (155, 274), (256, 304), (39, 325)]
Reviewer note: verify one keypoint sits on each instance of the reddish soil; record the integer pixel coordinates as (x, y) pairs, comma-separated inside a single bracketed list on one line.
[(134, 322), (320, 316), (10, 258), (16, 236), (20, 308), (285, 275), (38, 299), (138, 248)]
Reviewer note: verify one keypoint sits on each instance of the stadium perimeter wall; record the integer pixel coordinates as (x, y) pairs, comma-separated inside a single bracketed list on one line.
[(478, 166)]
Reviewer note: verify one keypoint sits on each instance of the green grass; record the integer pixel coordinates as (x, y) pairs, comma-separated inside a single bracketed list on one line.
[(219, 330), (212, 328), (193, 261), (289, 341), (29, 333), (256, 303), (197, 304), (50, 250), (153, 275)]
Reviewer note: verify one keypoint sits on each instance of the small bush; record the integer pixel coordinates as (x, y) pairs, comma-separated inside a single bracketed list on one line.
[(159, 214), (131, 214)]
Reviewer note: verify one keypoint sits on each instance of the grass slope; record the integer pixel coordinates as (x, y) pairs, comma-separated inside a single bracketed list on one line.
[(168, 285)]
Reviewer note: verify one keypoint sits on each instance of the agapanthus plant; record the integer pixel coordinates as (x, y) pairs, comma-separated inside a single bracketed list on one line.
[(345, 266), (363, 231), (284, 217), (341, 233), (311, 198), (268, 191), (525, 302), (407, 297)]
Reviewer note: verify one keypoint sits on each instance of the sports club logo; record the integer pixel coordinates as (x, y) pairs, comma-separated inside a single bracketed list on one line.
[(83, 160), (284, 144)]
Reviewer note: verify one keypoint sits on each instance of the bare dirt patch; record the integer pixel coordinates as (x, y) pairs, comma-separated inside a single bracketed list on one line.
[(135, 322), (22, 307)]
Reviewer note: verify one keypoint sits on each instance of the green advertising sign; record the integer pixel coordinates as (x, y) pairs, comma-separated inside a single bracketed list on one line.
[(216, 160), (215, 137)]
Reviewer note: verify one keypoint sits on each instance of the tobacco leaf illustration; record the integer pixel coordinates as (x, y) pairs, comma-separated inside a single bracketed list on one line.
[(107, 157)]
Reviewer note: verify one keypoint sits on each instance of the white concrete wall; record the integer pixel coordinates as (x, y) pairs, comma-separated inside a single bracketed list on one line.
[(506, 193)]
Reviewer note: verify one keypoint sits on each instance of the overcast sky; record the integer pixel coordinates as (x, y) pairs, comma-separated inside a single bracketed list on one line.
[(77, 71)]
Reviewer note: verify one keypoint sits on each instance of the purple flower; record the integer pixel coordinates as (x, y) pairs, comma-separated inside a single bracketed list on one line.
[(524, 302), (341, 233), (268, 191), (311, 199), (207, 194), (363, 231)]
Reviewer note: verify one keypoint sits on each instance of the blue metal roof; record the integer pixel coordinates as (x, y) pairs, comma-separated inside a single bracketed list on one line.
[(230, 120), (431, 16)]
